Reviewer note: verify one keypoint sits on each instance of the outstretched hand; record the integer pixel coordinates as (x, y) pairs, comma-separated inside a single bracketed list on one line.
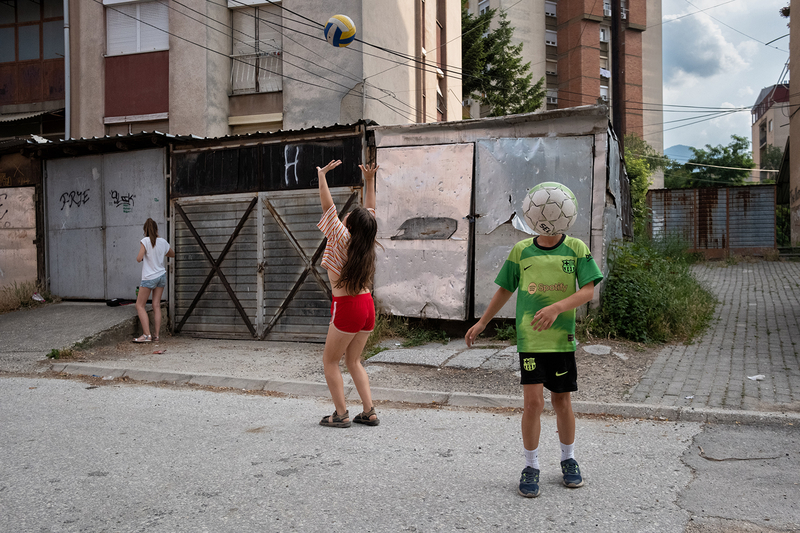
[(369, 171), (330, 166)]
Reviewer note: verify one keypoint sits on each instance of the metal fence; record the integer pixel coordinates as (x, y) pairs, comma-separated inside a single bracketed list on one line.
[(716, 221)]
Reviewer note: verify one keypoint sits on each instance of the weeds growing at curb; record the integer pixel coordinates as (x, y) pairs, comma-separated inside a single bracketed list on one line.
[(20, 295), (60, 353), (414, 333)]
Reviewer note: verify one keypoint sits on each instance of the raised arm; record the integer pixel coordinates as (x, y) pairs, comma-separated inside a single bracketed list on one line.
[(325, 197), (369, 172)]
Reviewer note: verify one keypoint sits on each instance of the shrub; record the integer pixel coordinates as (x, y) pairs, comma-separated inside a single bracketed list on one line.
[(651, 295)]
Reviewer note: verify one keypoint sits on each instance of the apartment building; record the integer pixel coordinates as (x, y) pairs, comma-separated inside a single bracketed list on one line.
[(32, 68), (770, 122), (569, 43), (218, 67)]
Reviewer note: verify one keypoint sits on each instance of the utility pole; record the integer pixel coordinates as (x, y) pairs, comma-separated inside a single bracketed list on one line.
[(617, 73)]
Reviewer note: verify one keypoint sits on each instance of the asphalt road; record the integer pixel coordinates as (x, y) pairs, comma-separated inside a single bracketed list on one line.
[(123, 457)]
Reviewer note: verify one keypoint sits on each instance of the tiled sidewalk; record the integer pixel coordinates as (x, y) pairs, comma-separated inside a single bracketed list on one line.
[(756, 331)]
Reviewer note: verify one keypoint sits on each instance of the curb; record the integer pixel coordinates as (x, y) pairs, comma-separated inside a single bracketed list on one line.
[(451, 399)]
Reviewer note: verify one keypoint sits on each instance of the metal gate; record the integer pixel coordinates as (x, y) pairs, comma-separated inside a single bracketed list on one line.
[(717, 221), (95, 208), (247, 265), (17, 235)]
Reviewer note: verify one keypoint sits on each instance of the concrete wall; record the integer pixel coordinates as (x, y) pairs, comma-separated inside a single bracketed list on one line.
[(528, 21), (87, 48), (652, 84), (199, 78), (312, 95)]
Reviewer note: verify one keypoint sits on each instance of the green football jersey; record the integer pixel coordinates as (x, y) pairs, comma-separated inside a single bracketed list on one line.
[(545, 276)]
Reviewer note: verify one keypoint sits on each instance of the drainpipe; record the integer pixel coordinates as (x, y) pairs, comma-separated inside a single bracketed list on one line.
[(67, 92)]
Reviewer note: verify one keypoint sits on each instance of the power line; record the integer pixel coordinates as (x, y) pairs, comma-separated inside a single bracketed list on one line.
[(737, 31)]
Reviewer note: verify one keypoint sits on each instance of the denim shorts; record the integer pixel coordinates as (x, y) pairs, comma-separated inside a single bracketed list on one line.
[(160, 281)]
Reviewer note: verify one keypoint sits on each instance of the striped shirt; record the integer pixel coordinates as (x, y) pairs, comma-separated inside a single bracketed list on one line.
[(338, 236)]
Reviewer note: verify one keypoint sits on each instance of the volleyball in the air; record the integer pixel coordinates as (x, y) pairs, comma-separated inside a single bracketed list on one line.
[(550, 208), (340, 30)]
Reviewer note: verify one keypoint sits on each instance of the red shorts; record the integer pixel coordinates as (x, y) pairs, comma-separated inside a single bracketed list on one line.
[(353, 314)]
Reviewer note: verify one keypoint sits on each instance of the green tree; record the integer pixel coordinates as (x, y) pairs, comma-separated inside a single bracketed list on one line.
[(473, 49), (723, 164), (772, 158), (493, 71), (641, 161), (677, 175)]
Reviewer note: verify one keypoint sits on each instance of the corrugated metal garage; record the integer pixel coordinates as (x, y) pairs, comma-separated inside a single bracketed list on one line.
[(717, 221)]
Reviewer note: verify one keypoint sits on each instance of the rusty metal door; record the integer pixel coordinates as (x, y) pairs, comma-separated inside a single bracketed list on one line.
[(17, 235)]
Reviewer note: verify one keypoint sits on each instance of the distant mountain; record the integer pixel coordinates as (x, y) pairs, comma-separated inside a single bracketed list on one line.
[(680, 153)]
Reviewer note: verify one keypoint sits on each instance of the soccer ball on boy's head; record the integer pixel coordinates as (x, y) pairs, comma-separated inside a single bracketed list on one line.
[(550, 208), (340, 30)]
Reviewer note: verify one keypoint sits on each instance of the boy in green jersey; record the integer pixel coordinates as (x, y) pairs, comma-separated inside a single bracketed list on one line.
[(546, 270)]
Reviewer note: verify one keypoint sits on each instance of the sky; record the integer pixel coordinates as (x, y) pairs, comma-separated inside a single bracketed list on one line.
[(719, 64)]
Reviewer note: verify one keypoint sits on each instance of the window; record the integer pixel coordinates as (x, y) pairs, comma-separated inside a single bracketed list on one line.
[(770, 125), (550, 9), (604, 92), (552, 96), (551, 67), (31, 31), (134, 28), (256, 65), (606, 9), (603, 34), (550, 38), (483, 6)]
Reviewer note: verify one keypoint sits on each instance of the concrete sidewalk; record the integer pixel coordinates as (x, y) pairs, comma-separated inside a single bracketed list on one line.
[(755, 332)]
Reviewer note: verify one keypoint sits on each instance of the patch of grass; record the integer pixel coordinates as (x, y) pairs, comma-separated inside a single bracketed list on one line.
[(650, 295), (417, 336), (20, 296), (60, 353), (506, 332), (414, 333)]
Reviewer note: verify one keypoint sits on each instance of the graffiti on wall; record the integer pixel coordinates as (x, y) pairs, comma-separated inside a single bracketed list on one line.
[(74, 198), (290, 165), (122, 200), (3, 210)]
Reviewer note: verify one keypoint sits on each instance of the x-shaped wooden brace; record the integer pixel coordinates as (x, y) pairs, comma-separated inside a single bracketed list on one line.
[(215, 267), (310, 263)]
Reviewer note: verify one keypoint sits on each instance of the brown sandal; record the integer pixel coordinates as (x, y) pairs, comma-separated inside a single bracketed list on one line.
[(363, 418), (336, 421)]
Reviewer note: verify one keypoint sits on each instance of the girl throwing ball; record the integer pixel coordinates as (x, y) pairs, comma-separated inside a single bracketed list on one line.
[(350, 260)]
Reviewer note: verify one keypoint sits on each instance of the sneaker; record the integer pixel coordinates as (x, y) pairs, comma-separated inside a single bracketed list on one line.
[(572, 473), (529, 482)]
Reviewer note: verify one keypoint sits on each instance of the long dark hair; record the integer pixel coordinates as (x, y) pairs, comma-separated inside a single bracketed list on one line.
[(151, 230), (359, 269)]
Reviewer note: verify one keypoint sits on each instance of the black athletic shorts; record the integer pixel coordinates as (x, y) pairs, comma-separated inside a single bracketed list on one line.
[(556, 370)]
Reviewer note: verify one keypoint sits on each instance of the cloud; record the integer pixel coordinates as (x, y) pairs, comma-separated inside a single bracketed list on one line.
[(696, 48)]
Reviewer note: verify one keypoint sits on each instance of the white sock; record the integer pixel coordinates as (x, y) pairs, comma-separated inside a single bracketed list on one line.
[(532, 458), (567, 451)]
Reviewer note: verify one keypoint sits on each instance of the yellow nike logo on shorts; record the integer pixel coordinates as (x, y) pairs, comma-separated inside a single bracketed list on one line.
[(558, 375)]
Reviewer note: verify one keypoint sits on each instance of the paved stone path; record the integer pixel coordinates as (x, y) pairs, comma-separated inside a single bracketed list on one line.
[(756, 331)]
